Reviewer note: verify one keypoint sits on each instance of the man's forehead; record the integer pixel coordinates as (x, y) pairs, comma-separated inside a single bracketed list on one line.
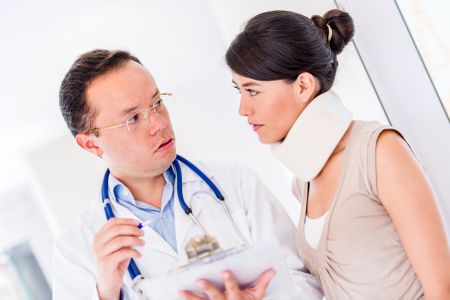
[(122, 87), (131, 77)]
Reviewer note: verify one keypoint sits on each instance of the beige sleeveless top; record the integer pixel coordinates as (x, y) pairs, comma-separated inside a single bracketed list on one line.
[(359, 255)]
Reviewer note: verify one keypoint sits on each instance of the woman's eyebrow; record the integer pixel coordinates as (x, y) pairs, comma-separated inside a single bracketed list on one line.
[(246, 84)]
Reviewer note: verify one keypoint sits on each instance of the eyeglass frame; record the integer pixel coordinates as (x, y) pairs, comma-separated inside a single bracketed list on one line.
[(96, 131)]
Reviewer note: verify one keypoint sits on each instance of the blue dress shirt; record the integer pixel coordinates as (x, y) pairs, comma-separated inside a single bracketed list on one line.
[(163, 221)]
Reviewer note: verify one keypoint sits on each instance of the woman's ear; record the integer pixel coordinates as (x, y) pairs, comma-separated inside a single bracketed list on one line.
[(87, 142), (308, 87)]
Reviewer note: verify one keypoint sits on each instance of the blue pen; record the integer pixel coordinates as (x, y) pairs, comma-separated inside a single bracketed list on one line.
[(145, 223)]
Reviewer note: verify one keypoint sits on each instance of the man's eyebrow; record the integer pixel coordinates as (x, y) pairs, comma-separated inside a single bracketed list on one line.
[(156, 93), (128, 110), (246, 84), (133, 108)]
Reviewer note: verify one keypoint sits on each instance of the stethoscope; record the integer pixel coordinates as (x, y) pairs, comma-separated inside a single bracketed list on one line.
[(133, 269)]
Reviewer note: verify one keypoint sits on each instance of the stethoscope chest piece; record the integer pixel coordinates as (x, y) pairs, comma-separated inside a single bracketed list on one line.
[(201, 246)]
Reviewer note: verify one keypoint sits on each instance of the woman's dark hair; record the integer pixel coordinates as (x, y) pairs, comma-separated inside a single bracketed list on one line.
[(79, 116), (281, 45)]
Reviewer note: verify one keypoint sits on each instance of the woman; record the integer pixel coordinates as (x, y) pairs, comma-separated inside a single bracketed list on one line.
[(358, 182)]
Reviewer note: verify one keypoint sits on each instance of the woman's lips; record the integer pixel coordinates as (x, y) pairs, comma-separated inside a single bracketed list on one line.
[(256, 127)]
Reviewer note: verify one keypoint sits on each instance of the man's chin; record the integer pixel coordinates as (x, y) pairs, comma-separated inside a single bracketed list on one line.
[(172, 156), (166, 161)]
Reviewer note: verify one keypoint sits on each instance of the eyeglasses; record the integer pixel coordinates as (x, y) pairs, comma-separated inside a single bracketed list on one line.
[(158, 107)]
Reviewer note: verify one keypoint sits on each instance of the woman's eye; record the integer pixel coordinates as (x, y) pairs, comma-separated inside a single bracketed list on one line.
[(252, 92), (237, 89)]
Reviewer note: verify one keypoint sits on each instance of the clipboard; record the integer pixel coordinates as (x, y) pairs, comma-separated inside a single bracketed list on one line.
[(245, 263)]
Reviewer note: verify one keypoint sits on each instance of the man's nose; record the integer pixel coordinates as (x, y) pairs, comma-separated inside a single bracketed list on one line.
[(158, 122)]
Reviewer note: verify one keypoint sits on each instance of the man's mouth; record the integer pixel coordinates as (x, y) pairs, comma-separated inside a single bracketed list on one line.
[(166, 144)]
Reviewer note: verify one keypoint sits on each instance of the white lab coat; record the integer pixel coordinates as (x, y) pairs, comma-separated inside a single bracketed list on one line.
[(253, 208)]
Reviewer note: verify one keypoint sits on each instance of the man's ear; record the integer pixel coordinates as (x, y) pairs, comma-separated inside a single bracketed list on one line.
[(307, 86), (87, 142)]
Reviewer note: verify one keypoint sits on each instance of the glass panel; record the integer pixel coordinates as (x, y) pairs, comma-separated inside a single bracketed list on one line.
[(429, 25), (23, 276), (9, 283)]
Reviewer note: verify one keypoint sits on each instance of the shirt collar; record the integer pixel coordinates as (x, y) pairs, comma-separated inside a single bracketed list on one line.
[(122, 193)]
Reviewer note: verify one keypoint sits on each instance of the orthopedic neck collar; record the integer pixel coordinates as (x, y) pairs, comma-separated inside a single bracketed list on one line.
[(314, 136)]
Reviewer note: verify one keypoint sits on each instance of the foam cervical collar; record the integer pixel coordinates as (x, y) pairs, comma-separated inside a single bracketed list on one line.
[(314, 136)]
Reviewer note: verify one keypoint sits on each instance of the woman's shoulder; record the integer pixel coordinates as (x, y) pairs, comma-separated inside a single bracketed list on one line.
[(374, 133), (370, 127), (372, 140), (367, 134)]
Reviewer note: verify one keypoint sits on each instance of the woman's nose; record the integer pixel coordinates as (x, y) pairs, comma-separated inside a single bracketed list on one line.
[(245, 108)]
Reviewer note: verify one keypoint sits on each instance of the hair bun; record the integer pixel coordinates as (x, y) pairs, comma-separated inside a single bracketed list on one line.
[(342, 25)]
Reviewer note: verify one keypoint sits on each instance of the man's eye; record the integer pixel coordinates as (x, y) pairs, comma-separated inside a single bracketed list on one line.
[(157, 103), (133, 119), (237, 89)]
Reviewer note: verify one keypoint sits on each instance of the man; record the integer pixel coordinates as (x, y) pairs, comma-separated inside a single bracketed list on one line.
[(113, 107)]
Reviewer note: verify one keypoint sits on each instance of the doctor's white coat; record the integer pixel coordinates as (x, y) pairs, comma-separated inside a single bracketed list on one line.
[(253, 208)]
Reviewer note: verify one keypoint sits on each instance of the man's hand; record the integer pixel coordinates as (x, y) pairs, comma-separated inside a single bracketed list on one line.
[(232, 291), (113, 250)]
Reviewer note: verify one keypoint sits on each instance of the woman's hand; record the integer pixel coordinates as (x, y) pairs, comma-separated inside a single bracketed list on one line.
[(232, 290)]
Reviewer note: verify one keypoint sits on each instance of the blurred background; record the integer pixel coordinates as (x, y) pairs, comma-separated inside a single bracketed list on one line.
[(396, 71)]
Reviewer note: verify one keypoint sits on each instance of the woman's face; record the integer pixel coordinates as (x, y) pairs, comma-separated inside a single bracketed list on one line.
[(271, 107)]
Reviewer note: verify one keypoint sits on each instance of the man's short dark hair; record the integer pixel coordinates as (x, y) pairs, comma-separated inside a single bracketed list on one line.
[(77, 113)]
